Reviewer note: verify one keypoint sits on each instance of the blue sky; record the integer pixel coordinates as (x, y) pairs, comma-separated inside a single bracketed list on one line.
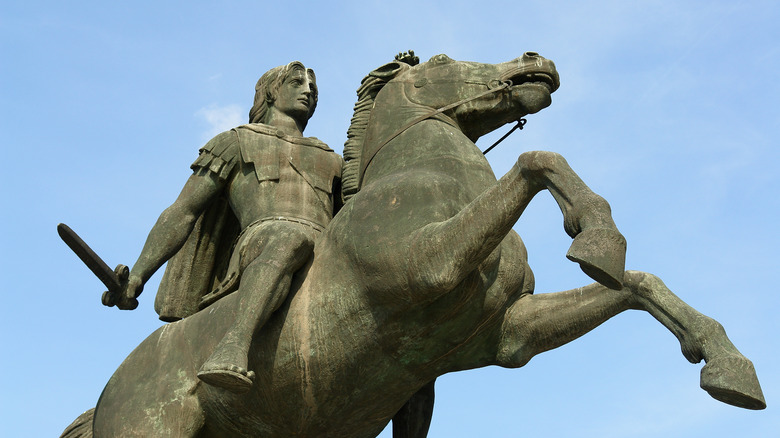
[(667, 109)]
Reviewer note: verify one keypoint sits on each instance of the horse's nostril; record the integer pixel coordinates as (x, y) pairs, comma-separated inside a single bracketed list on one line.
[(530, 54)]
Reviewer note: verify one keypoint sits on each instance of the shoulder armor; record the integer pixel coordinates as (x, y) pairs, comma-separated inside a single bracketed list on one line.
[(219, 156)]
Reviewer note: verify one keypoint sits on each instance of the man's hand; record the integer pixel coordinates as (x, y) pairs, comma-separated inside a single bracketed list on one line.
[(132, 286), (130, 292)]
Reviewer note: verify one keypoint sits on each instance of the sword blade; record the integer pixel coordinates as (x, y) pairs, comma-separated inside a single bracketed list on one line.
[(88, 256)]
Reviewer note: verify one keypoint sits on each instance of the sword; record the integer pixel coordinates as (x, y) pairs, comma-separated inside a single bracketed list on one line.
[(114, 280)]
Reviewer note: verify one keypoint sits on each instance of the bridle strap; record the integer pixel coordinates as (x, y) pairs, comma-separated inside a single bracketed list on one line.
[(504, 85)]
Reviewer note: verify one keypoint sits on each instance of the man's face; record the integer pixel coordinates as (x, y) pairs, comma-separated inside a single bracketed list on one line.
[(296, 95)]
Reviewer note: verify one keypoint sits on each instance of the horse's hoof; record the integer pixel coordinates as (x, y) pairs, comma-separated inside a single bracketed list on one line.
[(233, 381), (732, 379), (601, 253)]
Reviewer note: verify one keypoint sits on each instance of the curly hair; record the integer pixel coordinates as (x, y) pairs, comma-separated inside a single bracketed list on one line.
[(268, 87)]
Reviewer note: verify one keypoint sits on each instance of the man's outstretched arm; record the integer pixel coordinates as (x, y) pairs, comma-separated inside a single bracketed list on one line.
[(171, 231)]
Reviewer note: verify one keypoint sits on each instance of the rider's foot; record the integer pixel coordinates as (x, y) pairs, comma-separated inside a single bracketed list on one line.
[(227, 376), (601, 253), (227, 367)]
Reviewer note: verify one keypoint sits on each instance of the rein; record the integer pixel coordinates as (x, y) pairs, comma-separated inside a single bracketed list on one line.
[(520, 124), (504, 85)]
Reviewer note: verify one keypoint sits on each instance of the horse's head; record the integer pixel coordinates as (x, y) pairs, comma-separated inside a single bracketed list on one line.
[(478, 98), (493, 94)]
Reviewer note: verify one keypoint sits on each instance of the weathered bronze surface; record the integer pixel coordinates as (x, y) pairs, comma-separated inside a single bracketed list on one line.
[(418, 275)]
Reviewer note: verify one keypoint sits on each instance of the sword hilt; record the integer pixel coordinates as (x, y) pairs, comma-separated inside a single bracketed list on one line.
[(112, 297)]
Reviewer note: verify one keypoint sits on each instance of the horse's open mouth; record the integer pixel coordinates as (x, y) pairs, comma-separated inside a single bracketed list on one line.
[(536, 78)]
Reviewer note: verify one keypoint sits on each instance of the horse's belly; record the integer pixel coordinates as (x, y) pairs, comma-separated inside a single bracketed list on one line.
[(316, 397)]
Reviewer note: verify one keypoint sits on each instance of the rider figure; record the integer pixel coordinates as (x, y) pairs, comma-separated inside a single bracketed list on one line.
[(280, 186)]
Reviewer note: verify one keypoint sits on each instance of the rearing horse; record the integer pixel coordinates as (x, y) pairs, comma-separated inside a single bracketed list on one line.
[(419, 275)]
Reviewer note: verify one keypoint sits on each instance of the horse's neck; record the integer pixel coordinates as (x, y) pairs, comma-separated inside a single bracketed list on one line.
[(390, 118), (405, 133)]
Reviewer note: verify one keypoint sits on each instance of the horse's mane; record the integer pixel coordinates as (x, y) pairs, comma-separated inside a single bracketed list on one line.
[(353, 147)]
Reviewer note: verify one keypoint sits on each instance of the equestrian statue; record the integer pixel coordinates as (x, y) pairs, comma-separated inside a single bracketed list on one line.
[(417, 274)]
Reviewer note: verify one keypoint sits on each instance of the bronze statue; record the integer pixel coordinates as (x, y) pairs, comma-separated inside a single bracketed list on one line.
[(418, 275)]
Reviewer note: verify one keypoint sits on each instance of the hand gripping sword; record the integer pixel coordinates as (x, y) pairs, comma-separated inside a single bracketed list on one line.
[(114, 280)]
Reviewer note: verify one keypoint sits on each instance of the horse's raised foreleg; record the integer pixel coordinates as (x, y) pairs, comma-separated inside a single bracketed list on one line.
[(538, 323), (728, 376), (443, 253), (598, 246)]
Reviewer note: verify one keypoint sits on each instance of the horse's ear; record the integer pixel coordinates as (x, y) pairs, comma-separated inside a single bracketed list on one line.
[(390, 70), (440, 59)]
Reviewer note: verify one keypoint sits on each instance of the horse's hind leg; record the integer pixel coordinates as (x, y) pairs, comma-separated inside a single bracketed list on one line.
[(414, 418), (598, 246), (728, 376)]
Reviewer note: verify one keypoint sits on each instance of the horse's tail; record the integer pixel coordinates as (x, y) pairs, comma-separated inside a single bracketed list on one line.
[(81, 427)]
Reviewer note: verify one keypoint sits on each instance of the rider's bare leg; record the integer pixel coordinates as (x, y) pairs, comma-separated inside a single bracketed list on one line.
[(264, 285), (728, 376)]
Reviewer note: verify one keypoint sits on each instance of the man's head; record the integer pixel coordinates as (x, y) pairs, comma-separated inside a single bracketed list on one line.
[(269, 86)]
